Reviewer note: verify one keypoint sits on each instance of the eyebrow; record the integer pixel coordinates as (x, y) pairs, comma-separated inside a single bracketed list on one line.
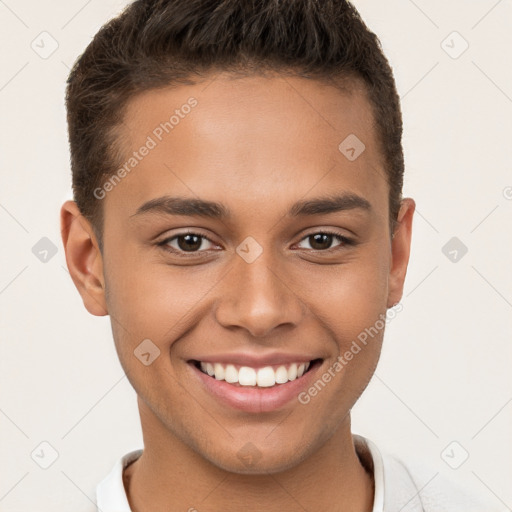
[(169, 205)]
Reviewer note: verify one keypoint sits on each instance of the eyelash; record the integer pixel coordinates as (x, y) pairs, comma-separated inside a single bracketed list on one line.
[(164, 243)]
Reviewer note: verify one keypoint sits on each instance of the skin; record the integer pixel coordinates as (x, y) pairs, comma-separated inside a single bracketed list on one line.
[(257, 145)]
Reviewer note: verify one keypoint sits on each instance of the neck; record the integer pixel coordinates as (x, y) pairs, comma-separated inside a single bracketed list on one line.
[(171, 476)]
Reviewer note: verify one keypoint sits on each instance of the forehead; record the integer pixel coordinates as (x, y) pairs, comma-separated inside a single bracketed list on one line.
[(246, 140)]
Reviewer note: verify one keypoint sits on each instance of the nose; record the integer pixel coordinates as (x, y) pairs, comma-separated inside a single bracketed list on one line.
[(257, 297)]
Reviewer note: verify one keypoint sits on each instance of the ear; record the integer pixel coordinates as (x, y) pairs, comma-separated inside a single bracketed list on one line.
[(400, 250), (83, 258)]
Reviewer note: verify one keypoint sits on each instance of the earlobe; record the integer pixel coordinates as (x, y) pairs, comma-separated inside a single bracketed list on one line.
[(83, 258), (400, 251)]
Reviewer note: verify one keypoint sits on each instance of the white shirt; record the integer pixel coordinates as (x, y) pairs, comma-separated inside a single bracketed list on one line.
[(398, 487)]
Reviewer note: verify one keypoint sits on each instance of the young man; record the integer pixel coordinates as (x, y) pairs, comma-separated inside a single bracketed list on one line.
[(237, 175)]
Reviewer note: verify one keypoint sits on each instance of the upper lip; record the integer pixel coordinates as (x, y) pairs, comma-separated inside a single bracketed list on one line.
[(253, 360)]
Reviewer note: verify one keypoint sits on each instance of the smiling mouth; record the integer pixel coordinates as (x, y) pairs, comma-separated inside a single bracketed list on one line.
[(264, 377)]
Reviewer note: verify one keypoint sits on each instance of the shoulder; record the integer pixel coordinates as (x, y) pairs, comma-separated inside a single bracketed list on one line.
[(409, 486)]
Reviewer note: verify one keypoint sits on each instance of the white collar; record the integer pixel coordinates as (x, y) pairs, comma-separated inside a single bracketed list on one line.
[(371, 457), (110, 493)]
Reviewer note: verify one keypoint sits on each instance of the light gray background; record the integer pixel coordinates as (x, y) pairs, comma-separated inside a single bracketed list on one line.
[(445, 372)]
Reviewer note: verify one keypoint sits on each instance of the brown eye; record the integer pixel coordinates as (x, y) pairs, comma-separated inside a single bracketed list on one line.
[(186, 243), (323, 241), (320, 241), (189, 242)]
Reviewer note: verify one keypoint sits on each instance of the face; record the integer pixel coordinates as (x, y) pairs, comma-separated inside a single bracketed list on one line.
[(245, 244)]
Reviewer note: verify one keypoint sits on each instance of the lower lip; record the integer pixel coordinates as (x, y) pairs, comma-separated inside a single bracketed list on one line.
[(255, 399)]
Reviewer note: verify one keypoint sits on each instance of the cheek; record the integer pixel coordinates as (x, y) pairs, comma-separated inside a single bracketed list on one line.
[(350, 297), (350, 304), (352, 310), (153, 300)]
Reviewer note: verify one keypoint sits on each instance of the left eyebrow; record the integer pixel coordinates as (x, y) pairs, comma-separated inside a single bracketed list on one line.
[(332, 204), (201, 208)]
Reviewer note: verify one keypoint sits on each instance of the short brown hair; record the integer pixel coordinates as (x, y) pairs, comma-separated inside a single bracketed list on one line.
[(158, 43)]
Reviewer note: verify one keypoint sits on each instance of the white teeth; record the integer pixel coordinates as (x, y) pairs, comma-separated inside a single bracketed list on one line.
[(292, 372), (247, 376), (282, 375), (265, 377), (231, 374), (219, 371)]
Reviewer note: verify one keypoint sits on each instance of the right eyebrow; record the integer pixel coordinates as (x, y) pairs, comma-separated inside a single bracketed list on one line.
[(184, 206)]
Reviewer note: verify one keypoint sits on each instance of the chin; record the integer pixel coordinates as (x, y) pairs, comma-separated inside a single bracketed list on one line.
[(260, 464), (248, 458)]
